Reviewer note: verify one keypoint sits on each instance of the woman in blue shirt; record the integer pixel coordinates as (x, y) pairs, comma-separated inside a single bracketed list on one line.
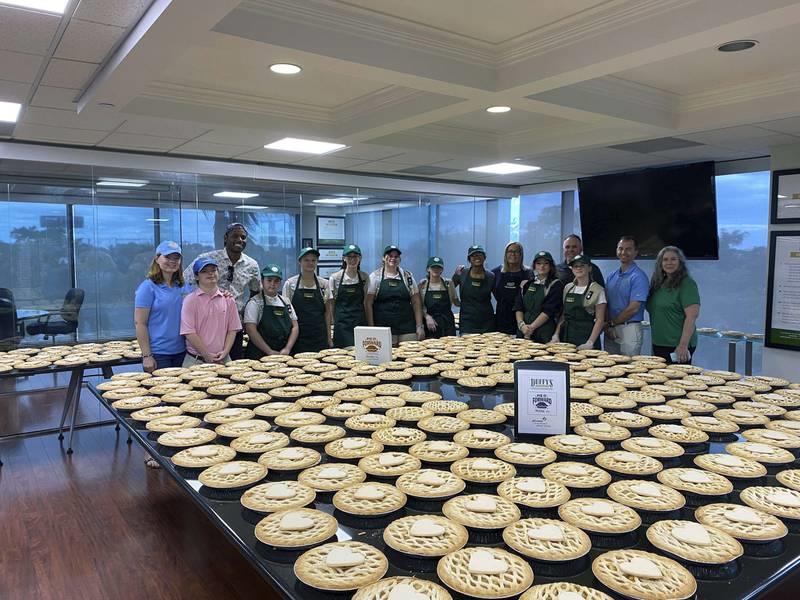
[(157, 310)]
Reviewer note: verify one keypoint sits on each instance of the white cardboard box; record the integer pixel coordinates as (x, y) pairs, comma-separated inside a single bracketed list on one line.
[(373, 344)]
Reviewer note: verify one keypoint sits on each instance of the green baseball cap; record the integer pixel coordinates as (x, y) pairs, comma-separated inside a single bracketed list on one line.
[(272, 270), (351, 249), (545, 256), (391, 248), (474, 250), (307, 250), (580, 258), (435, 261)]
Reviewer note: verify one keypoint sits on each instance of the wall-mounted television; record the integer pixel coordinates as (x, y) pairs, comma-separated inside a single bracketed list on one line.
[(668, 206)]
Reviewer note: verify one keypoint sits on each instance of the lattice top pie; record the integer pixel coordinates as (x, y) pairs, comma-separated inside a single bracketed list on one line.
[(331, 476), (277, 495), (349, 448), (563, 590), (341, 566), (534, 492), (742, 522), (696, 481), (574, 444), (485, 572), (525, 454), (289, 459), (403, 588), (430, 483), (639, 574), (599, 516), (628, 463), (483, 470), (482, 439), (694, 542), (183, 438), (576, 475), (778, 501), (369, 499), (203, 456), (438, 451), (389, 464), (232, 474), (646, 495), (481, 511), (547, 540), (654, 447), (259, 442), (425, 535), (730, 465)]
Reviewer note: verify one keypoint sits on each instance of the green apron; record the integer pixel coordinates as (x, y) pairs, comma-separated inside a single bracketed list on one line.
[(392, 307), (578, 323), (477, 314), (532, 302), (348, 312), (438, 306), (309, 306), (275, 326)]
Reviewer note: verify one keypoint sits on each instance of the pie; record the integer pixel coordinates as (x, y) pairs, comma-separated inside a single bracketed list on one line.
[(289, 459), (232, 474), (430, 483), (577, 445), (369, 499), (399, 436), (200, 457), (696, 481), (639, 574), (694, 542), (438, 451), (485, 573), (317, 434), (481, 439), (520, 453), (295, 528), (778, 501), (425, 535), (389, 464), (483, 470), (259, 442), (172, 423), (730, 465), (331, 477), (341, 566), (654, 447), (604, 517), (403, 588), (742, 522), (576, 475), (351, 448), (563, 590), (183, 438), (534, 492), (646, 495), (548, 540), (628, 463), (239, 428)]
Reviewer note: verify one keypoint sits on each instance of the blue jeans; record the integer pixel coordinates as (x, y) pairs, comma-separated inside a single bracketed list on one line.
[(168, 360)]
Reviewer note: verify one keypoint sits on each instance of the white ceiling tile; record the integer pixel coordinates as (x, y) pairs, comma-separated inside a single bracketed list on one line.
[(122, 13), (69, 118), (132, 141), (369, 151), (55, 97), (26, 31), (211, 149), (68, 73), (697, 153), (271, 156), (45, 133), (790, 125), (330, 162), (17, 66), (728, 134), (14, 91), (88, 42), (420, 157), (163, 127)]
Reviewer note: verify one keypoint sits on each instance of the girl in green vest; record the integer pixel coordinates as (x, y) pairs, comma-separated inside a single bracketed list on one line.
[(540, 301), (307, 293), (393, 299), (347, 291), (269, 320), (438, 298), (584, 308), (477, 312)]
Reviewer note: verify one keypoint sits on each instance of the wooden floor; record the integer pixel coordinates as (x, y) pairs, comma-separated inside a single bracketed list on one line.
[(98, 524)]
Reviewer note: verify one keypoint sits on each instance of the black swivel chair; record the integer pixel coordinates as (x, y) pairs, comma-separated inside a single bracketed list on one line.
[(10, 328), (60, 322)]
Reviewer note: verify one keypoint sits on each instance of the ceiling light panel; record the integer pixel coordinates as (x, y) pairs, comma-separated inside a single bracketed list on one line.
[(290, 144), (498, 109), (504, 168), (237, 195), (123, 183), (285, 69), (333, 201), (9, 112), (51, 6)]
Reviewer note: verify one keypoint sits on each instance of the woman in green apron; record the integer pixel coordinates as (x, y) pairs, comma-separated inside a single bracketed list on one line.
[(347, 290), (393, 299), (584, 308), (269, 320), (540, 302), (438, 298), (477, 313), (307, 293)]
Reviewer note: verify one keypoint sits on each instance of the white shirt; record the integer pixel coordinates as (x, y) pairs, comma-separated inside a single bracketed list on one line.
[(601, 294), (292, 284), (254, 309), (333, 282), (375, 280)]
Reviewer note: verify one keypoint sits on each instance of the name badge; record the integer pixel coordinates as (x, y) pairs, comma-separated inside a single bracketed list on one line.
[(278, 312), (351, 290), (532, 289), (476, 284), (307, 295), (511, 285), (438, 296), (569, 299), (393, 284)]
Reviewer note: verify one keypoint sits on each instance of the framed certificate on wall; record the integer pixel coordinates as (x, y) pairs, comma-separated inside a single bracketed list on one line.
[(327, 269), (785, 197), (330, 255), (541, 398), (783, 291), (330, 231)]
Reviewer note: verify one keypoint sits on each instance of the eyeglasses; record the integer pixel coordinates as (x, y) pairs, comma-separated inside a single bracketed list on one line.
[(230, 273)]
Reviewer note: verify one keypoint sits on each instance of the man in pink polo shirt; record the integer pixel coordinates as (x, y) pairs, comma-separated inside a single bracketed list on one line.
[(209, 320)]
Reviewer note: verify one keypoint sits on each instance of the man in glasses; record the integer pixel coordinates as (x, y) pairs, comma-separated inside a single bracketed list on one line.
[(239, 274)]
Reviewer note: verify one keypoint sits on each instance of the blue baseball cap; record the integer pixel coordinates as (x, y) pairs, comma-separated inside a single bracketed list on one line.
[(201, 263), (168, 248)]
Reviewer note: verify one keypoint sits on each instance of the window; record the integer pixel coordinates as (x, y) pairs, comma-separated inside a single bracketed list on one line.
[(540, 224)]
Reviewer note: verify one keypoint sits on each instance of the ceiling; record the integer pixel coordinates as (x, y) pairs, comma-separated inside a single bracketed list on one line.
[(404, 84)]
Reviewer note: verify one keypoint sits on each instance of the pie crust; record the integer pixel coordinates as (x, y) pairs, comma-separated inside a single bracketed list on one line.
[(317, 434), (654, 447), (766, 498), (497, 512), (525, 454), (289, 458), (272, 497), (574, 444), (389, 464), (183, 438), (744, 523), (730, 465), (445, 407), (481, 439), (369, 499), (399, 436), (200, 457), (686, 540), (679, 434), (696, 481), (436, 537), (675, 582), (394, 588), (430, 483), (548, 540), (534, 492), (438, 451), (628, 463), (763, 453), (576, 475), (351, 448), (259, 442), (483, 470), (646, 495), (232, 474), (560, 591), (619, 518), (442, 424), (312, 567), (331, 477), (453, 570)]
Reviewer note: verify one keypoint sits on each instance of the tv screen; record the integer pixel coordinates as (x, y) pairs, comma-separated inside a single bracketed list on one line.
[(669, 206)]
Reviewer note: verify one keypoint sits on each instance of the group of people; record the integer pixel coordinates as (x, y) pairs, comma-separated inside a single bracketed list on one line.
[(198, 314)]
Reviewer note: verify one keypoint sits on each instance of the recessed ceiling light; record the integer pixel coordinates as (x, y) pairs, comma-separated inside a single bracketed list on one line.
[(250, 207), (332, 201), (498, 109), (9, 111), (237, 195), (782, 196), (151, 220), (290, 144), (117, 182), (737, 45), (52, 6), (504, 168), (285, 69)]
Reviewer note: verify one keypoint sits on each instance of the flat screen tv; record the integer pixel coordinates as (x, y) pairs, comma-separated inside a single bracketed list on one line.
[(668, 206)]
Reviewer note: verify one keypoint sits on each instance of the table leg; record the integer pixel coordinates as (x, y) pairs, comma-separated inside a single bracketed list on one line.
[(748, 357), (75, 375), (75, 403), (107, 371), (731, 356)]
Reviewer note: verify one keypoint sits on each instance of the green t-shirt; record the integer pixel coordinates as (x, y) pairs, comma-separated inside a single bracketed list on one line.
[(666, 312)]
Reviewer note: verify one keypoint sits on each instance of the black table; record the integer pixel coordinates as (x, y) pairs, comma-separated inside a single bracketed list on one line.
[(73, 395), (761, 568)]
